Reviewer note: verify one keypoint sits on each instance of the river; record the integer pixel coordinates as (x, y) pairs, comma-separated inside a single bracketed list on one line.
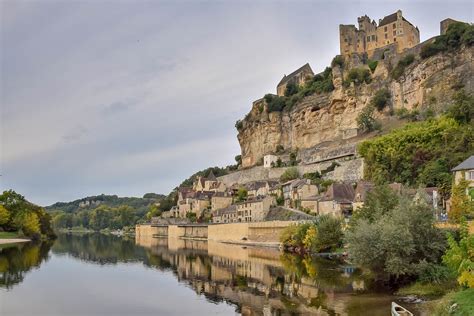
[(97, 274)]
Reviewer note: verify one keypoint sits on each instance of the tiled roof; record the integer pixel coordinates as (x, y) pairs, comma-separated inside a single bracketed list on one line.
[(286, 78), (227, 210), (388, 19), (340, 192), (466, 164)]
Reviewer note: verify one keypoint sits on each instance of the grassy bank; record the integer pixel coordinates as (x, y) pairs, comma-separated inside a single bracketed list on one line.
[(9, 235), (459, 303), (427, 290)]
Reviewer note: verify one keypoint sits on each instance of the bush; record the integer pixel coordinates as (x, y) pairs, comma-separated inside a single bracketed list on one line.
[(372, 65), (399, 69), (366, 120), (380, 99), (395, 241), (291, 88), (463, 108), (457, 34), (359, 76), (338, 60), (404, 113), (289, 174), (239, 125)]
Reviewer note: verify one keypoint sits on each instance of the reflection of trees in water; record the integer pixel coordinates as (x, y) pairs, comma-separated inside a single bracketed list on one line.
[(98, 248), (17, 260)]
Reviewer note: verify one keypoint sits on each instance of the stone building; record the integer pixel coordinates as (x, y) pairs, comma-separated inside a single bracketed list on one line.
[(220, 200), (393, 29), (337, 200), (261, 188), (269, 161), (298, 77), (465, 170), (254, 210), (443, 25), (225, 215), (296, 190), (209, 183)]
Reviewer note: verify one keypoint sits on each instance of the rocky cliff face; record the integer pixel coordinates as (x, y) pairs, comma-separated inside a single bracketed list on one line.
[(323, 123)]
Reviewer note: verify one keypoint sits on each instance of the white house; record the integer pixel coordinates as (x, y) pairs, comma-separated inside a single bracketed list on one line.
[(268, 160)]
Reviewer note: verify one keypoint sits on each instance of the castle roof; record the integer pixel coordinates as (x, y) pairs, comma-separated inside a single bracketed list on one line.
[(211, 176), (339, 192), (392, 18), (287, 78)]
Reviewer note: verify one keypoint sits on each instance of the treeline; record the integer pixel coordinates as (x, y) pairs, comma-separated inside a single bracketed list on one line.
[(140, 205), (24, 218), (102, 217)]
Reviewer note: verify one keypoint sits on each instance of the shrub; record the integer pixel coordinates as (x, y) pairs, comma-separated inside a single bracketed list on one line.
[(366, 120), (380, 99), (394, 242), (239, 125), (372, 65), (359, 76), (463, 108), (291, 88), (457, 34), (289, 174), (338, 60), (404, 62)]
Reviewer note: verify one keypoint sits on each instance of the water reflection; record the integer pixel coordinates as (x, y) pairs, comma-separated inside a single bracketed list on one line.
[(18, 259), (256, 281)]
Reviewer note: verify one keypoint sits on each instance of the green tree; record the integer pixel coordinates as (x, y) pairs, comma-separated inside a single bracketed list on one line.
[(461, 205), (397, 241), (379, 201), (241, 194), (289, 174), (463, 108), (460, 256), (30, 224), (238, 160), (366, 120), (4, 215), (380, 99)]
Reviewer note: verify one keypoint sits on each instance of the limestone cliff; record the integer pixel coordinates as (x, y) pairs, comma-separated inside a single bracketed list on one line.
[(322, 126)]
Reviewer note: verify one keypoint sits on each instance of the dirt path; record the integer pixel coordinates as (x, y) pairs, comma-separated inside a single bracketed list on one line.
[(12, 240)]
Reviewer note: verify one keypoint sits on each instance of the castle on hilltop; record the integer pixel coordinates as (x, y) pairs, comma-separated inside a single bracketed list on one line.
[(392, 30)]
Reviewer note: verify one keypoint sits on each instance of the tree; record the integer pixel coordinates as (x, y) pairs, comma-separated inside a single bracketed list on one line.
[(30, 224), (241, 194), (463, 108), (379, 201), (291, 89), (238, 160), (461, 205), (380, 99), (460, 256), (4, 215), (366, 120), (395, 242), (289, 174)]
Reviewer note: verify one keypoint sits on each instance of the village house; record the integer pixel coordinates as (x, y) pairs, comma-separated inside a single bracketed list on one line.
[(297, 77), (393, 29), (209, 183), (269, 161), (254, 210), (220, 200), (296, 190), (261, 188), (360, 193), (310, 204), (465, 170), (337, 200), (225, 215)]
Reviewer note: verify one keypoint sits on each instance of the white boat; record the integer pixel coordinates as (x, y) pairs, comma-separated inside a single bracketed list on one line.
[(398, 310)]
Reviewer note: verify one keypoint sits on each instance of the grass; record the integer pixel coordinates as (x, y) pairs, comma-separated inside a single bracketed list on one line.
[(460, 303), (427, 290), (9, 235)]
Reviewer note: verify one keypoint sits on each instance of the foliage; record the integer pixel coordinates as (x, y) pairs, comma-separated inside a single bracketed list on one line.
[(404, 113), (154, 211), (318, 84), (238, 159), (241, 194), (460, 257), (366, 120), (404, 154), (24, 216), (456, 35), (372, 65), (461, 204), (4, 215), (463, 108), (239, 125), (394, 243), (217, 171), (191, 216), (359, 76), (380, 99), (324, 234), (338, 60), (426, 290), (289, 174), (97, 219), (404, 62), (378, 202)]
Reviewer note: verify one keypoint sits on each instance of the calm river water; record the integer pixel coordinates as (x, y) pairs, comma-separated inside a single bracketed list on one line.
[(105, 275)]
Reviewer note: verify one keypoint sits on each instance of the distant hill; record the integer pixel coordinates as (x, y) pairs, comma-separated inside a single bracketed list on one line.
[(140, 205)]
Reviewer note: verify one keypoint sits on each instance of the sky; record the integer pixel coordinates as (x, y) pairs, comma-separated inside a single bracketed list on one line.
[(129, 97)]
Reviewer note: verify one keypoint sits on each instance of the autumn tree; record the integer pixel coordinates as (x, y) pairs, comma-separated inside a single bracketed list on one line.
[(460, 202)]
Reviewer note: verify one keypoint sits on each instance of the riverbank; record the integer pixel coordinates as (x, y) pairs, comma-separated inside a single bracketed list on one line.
[(4, 241)]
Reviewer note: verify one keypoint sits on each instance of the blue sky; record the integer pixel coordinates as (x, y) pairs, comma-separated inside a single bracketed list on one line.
[(129, 97)]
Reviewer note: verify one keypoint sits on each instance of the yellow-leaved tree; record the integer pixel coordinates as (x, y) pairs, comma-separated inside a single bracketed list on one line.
[(461, 204)]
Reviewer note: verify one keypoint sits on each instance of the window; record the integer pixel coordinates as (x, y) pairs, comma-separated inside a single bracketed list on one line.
[(373, 37), (368, 38), (394, 33), (394, 25), (386, 36), (470, 175), (394, 39), (385, 29)]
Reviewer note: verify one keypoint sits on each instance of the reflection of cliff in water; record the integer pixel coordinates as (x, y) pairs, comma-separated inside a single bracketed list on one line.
[(263, 281), (18, 259)]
